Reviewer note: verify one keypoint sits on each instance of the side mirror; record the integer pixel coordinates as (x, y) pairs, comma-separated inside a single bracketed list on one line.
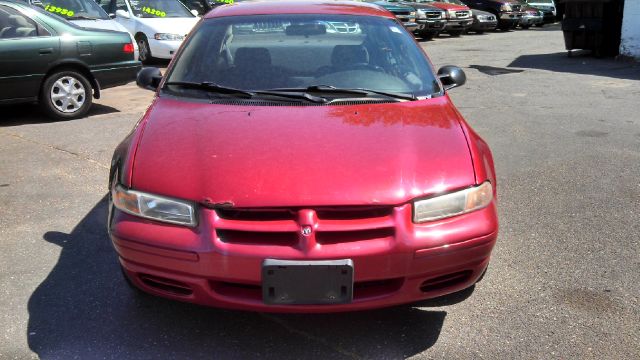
[(123, 14), (149, 78), (195, 12), (451, 76)]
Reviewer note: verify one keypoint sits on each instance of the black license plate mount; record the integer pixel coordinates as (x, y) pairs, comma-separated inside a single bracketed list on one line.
[(293, 282)]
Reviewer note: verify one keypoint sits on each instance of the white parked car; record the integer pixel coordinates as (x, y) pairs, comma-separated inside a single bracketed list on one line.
[(85, 13), (158, 26)]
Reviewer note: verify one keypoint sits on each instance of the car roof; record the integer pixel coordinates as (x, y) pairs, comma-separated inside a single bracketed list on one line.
[(267, 7)]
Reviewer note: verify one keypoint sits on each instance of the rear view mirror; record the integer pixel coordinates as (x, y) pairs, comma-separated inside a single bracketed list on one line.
[(305, 29), (451, 76), (123, 14), (149, 78)]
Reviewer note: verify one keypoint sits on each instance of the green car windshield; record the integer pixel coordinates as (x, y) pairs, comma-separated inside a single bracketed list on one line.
[(74, 9), (266, 52), (159, 8)]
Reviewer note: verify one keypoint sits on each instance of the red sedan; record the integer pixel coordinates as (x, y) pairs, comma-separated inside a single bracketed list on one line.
[(302, 157)]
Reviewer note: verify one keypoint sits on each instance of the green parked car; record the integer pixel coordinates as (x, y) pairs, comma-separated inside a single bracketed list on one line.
[(46, 59)]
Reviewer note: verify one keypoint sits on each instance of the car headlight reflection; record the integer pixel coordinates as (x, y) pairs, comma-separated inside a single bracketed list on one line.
[(452, 204), (154, 207)]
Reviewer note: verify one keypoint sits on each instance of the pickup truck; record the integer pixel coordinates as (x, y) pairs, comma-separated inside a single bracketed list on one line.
[(509, 13), (430, 19)]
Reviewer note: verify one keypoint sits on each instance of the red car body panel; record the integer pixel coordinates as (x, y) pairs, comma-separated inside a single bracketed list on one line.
[(297, 156), (448, 6), (349, 172), (299, 7)]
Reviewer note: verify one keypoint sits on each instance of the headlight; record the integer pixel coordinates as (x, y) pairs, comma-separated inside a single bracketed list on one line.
[(162, 36), (443, 14), (452, 204), (452, 14), (420, 14), (505, 7), (413, 13), (153, 206)]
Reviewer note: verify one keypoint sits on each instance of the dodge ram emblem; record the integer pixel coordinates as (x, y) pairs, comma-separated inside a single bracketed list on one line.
[(306, 230)]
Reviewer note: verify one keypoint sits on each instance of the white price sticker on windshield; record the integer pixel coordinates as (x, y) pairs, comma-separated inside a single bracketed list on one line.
[(395, 29)]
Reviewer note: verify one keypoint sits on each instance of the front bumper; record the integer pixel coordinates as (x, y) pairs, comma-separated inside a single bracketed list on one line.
[(484, 25), (408, 264), (511, 18), (411, 26), (164, 49), (431, 25), (116, 74), (457, 24), (531, 20)]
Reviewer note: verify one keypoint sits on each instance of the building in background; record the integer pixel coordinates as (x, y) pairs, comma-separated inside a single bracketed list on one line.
[(630, 38)]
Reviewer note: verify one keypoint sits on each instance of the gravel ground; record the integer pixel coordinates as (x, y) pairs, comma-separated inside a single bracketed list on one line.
[(563, 283)]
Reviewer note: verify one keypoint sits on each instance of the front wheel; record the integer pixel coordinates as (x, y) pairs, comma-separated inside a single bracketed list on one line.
[(66, 95), (144, 50), (455, 33), (427, 35)]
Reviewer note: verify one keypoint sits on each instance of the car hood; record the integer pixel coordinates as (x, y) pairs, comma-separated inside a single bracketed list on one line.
[(270, 156), (421, 6), (394, 6), (180, 26), (476, 12), (100, 24), (448, 6)]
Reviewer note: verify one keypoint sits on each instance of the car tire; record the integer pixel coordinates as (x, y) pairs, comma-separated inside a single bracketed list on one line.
[(426, 35), (66, 95), (455, 33), (525, 27), (144, 51), (479, 32)]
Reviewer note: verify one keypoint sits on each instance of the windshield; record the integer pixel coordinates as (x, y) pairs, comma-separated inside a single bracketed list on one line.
[(159, 8), (299, 51), (74, 9)]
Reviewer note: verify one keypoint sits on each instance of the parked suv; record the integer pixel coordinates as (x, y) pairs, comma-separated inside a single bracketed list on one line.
[(430, 19), (548, 8), (405, 14), (508, 12), (458, 15)]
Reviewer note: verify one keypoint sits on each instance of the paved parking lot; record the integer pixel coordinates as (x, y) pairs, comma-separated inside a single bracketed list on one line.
[(564, 280)]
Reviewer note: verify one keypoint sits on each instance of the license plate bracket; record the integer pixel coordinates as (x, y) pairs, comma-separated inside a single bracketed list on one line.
[(293, 282)]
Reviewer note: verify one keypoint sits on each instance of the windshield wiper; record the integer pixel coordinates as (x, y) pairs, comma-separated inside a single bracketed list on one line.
[(353, 91), (81, 17), (211, 87)]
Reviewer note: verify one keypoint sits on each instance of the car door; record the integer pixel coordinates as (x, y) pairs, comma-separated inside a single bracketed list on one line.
[(27, 49)]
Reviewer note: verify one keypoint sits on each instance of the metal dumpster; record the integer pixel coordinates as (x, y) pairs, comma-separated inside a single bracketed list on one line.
[(592, 25)]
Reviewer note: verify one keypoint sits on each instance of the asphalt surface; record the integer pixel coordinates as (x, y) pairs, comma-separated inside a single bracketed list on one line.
[(564, 281)]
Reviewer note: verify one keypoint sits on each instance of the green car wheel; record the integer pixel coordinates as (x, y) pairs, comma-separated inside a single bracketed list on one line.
[(66, 95)]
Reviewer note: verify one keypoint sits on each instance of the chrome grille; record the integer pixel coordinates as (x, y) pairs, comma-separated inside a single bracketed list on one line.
[(434, 14), (463, 14)]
